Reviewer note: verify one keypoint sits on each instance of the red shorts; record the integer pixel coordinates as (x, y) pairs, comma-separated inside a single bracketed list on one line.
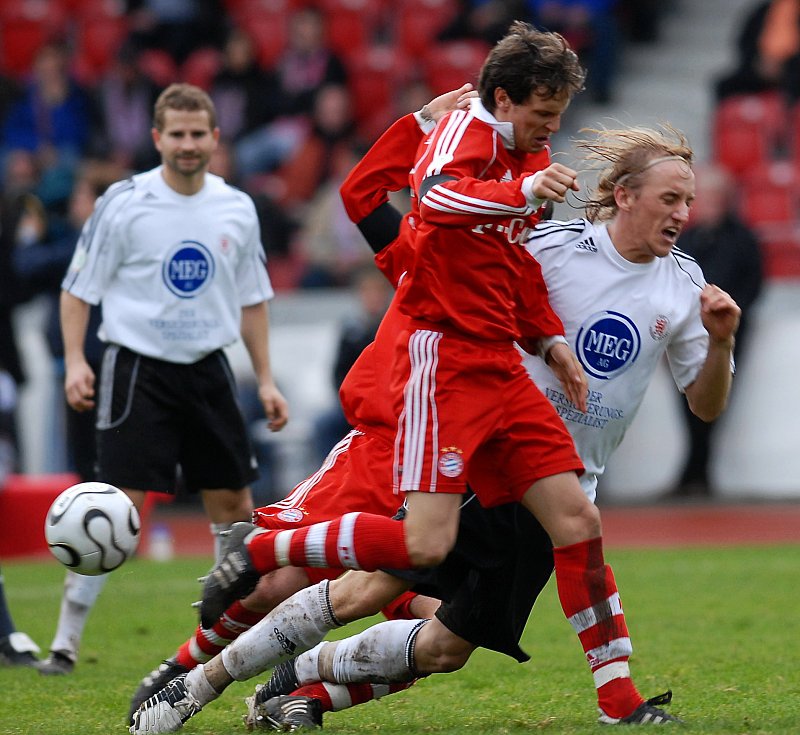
[(464, 404), (355, 476)]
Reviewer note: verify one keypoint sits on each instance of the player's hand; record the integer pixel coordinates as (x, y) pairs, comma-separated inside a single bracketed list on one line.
[(456, 99), (275, 406), (552, 183), (79, 386), (720, 315), (564, 364)]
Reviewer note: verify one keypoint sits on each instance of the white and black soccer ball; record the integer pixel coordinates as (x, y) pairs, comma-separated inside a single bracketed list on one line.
[(92, 528)]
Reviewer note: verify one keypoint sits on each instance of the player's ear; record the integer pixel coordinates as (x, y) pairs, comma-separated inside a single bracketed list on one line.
[(622, 197)]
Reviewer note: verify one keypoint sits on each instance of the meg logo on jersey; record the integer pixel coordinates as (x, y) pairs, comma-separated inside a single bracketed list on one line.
[(188, 269), (608, 344)]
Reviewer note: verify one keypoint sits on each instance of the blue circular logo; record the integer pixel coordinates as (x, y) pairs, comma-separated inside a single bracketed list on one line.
[(188, 269), (608, 344)]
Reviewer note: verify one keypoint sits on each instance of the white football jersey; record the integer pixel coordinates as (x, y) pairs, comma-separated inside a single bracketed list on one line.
[(172, 271), (619, 318)]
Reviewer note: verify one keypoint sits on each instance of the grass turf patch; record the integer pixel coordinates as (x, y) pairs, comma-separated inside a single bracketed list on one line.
[(715, 625)]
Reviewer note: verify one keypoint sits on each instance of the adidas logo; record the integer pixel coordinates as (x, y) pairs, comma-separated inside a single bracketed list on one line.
[(587, 244), (507, 176), (286, 643)]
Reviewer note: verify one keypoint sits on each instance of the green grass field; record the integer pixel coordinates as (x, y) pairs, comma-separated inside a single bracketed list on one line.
[(718, 626)]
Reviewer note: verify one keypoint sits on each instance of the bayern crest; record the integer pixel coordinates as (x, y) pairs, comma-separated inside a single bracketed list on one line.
[(291, 515), (451, 463)]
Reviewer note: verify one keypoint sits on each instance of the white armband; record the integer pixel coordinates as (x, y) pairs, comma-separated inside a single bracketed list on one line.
[(546, 344), (527, 190), (425, 120)]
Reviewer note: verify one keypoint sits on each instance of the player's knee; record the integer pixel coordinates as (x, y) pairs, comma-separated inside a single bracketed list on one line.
[(439, 651), (357, 595), (275, 587), (426, 549), (589, 521)]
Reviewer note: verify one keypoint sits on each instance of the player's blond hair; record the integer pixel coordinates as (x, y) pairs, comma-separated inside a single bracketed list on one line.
[(623, 156), (185, 97)]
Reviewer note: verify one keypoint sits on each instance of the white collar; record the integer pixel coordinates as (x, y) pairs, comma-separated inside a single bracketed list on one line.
[(504, 129)]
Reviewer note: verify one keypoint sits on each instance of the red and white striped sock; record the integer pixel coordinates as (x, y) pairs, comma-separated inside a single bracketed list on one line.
[(205, 644), (353, 541), (336, 697), (590, 600)]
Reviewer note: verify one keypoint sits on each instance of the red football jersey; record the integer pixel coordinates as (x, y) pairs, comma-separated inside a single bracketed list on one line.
[(471, 272)]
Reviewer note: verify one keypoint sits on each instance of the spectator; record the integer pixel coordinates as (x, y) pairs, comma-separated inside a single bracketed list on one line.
[(483, 20), (52, 120), (330, 132), (125, 98), (176, 26), (591, 28), (39, 269), (328, 243), (768, 52), (374, 294), (243, 93), (728, 252), (306, 66)]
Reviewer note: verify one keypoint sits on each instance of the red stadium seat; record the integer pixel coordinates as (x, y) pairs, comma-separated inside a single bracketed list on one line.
[(159, 66), (95, 8), (99, 38), (748, 130), (351, 25), (266, 22), (376, 74), (770, 195), (449, 65), (25, 26), (418, 22), (770, 204), (201, 67)]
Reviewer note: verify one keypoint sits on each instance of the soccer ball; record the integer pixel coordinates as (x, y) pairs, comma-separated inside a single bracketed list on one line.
[(92, 528)]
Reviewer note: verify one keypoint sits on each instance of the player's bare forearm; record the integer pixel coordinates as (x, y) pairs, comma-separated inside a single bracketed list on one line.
[(564, 364), (255, 335), (708, 394), (79, 378)]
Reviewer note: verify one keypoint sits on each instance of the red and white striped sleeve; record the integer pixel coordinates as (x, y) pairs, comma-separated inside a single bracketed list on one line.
[(461, 150)]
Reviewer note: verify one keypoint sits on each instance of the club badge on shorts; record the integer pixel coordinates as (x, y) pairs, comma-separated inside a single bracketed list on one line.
[(451, 463)]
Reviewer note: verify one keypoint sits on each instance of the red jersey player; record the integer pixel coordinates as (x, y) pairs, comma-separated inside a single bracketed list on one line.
[(458, 383), (459, 390)]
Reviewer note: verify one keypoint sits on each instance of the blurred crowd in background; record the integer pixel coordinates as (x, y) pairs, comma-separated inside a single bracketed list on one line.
[(302, 88)]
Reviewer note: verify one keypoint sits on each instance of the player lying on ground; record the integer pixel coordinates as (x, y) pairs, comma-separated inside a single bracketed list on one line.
[(613, 278), (162, 700)]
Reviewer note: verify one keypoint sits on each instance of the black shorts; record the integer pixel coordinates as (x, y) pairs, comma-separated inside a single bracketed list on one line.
[(155, 416), (488, 583)]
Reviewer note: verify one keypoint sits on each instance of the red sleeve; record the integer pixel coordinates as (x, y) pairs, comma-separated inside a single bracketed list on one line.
[(459, 149), (536, 317), (384, 168)]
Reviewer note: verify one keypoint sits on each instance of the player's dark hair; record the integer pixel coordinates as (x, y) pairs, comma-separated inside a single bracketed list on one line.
[(623, 157), (184, 97), (527, 60)]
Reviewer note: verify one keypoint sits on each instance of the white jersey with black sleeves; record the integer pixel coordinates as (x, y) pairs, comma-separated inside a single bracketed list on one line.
[(619, 318), (172, 271)]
